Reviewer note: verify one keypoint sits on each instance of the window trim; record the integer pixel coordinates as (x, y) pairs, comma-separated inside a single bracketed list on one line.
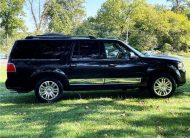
[(102, 51)]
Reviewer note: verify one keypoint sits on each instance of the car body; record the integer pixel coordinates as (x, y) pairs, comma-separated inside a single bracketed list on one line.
[(84, 63)]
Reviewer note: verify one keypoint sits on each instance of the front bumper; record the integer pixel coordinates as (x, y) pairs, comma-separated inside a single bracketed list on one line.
[(181, 77)]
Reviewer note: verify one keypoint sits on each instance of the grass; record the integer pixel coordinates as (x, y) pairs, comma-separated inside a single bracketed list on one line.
[(96, 114)]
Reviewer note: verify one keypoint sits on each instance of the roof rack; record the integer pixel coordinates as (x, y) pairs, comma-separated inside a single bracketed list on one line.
[(52, 34), (58, 36)]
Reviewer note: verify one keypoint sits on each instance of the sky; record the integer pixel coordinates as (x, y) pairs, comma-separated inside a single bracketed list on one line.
[(91, 7)]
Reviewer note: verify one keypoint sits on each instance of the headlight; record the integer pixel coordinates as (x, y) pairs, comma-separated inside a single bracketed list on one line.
[(180, 65)]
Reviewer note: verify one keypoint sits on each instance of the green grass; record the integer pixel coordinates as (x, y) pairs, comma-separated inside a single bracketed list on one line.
[(96, 114)]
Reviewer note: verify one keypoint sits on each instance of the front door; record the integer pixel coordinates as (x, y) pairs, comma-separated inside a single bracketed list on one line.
[(119, 67)]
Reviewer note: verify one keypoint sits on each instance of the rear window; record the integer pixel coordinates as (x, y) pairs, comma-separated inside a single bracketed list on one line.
[(40, 49)]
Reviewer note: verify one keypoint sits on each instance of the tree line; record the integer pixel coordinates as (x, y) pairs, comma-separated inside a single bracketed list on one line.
[(140, 24)]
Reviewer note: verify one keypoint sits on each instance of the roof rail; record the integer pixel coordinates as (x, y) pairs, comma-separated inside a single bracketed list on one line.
[(84, 36), (58, 36), (52, 34)]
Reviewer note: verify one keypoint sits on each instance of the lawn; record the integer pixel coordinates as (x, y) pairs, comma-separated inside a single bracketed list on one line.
[(96, 114)]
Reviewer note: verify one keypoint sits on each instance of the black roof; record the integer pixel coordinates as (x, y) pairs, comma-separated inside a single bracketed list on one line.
[(59, 36)]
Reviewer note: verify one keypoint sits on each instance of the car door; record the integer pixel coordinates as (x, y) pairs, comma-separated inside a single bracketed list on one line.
[(119, 67), (84, 65)]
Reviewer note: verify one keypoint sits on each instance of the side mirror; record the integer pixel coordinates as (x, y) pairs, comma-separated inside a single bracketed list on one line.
[(132, 55)]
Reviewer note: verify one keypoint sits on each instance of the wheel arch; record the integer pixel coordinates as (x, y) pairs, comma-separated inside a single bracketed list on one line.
[(169, 70), (57, 74)]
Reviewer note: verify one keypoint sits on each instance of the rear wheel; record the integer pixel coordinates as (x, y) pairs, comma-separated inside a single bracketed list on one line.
[(162, 86), (48, 90)]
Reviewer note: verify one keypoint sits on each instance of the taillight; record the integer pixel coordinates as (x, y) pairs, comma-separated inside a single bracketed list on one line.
[(11, 67)]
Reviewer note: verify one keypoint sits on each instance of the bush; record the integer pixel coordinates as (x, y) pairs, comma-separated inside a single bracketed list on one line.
[(166, 48)]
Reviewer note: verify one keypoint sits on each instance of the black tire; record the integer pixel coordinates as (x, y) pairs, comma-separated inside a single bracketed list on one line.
[(153, 85), (59, 90)]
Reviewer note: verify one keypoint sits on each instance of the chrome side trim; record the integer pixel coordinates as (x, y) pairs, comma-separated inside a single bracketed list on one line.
[(105, 81), (87, 81), (122, 80), (35, 59)]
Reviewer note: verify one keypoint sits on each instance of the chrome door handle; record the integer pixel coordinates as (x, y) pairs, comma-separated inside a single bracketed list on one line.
[(73, 65), (112, 65)]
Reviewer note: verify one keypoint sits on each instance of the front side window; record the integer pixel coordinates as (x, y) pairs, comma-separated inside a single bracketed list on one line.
[(115, 51), (86, 50)]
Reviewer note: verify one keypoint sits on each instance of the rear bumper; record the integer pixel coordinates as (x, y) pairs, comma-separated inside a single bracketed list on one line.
[(17, 86)]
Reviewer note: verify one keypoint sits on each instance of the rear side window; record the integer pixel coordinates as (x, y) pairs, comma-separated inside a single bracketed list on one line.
[(38, 49), (86, 50)]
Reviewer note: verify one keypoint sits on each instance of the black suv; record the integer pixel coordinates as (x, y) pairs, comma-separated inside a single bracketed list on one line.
[(51, 64)]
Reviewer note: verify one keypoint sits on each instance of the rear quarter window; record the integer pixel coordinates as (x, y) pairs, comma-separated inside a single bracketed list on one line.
[(40, 49)]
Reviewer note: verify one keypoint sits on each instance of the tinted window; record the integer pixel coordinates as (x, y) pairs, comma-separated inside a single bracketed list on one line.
[(115, 51), (38, 49), (87, 50)]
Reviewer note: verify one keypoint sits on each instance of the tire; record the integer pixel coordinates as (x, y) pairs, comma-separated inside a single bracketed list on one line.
[(162, 86), (48, 90)]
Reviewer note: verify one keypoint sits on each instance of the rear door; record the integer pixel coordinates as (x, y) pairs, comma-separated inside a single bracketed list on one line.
[(35, 56), (85, 67)]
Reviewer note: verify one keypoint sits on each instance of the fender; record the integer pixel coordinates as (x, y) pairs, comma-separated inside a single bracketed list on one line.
[(166, 68)]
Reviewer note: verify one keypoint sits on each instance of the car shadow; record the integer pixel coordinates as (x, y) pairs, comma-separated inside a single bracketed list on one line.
[(7, 96), (114, 94)]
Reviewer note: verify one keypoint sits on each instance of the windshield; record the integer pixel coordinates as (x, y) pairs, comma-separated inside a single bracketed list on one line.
[(134, 50)]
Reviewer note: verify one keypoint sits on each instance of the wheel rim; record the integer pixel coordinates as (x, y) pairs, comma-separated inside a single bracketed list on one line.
[(162, 86), (48, 90)]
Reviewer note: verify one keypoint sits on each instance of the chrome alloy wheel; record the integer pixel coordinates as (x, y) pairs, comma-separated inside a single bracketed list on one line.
[(48, 90), (162, 86)]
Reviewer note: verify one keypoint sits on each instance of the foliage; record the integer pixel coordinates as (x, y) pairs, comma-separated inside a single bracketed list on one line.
[(116, 13), (65, 15), (166, 48), (142, 25), (91, 27), (6, 44), (143, 41), (179, 32), (10, 16), (148, 26), (88, 27)]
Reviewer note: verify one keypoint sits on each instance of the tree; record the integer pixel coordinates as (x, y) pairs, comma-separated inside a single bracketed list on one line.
[(115, 16), (166, 48), (143, 41), (65, 15), (150, 26), (38, 14), (91, 26), (10, 17), (179, 30), (88, 27), (10, 13), (180, 6)]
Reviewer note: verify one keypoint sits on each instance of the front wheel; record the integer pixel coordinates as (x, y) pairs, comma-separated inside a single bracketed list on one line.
[(162, 86), (48, 90)]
